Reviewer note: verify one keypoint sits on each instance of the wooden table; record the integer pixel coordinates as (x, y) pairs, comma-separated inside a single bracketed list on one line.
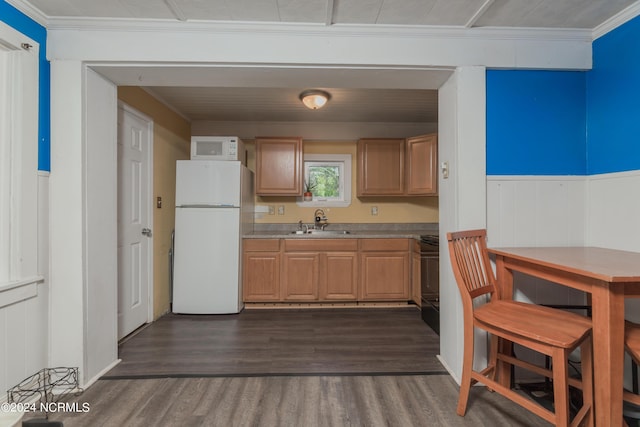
[(609, 276)]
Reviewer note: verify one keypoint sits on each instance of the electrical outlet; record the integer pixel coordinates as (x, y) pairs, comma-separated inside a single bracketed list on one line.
[(272, 210), (374, 210), (281, 210)]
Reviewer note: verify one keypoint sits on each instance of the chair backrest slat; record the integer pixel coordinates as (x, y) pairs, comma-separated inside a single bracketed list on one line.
[(470, 262)]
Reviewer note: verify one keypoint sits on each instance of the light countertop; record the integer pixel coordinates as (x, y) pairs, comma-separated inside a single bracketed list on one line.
[(356, 231)]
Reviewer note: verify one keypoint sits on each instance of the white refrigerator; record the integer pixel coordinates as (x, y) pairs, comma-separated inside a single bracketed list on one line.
[(214, 208)]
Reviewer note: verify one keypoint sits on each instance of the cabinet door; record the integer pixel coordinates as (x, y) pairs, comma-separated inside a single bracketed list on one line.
[(279, 166), (422, 165), (339, 281), (381, 167), (300, 276), (384, 276), (261, 276)]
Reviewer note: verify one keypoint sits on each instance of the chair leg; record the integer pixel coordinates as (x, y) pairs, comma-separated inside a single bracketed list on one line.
[(560, 387), (467, 367), (634, 373), (586, 355)]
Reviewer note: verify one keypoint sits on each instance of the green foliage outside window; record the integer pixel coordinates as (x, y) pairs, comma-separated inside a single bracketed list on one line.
[(326, 180)]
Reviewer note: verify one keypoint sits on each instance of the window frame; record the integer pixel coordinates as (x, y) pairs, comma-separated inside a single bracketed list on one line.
[(345, 178)]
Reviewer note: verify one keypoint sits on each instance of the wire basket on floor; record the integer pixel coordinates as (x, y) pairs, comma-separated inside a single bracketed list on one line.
[(44, 388)]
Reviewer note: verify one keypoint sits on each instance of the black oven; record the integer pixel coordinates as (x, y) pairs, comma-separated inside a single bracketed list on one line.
[(430, 280)]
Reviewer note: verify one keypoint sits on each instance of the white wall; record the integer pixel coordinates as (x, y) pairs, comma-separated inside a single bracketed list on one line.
[(83, 212), (462, 201), (304, 45), (66, 215), (100, 198)]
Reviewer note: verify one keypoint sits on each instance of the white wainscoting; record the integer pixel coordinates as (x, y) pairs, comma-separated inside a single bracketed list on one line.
[(537, 211), (597, 210), (24, 321), (613, 219)]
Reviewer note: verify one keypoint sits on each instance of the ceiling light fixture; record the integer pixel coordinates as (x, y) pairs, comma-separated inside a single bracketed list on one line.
[(314, 99)]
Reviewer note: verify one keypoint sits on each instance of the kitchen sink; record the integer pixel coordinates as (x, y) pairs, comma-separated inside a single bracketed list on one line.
[(322, 232)]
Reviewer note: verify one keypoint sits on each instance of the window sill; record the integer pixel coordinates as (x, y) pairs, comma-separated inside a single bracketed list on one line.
[(322, 204)]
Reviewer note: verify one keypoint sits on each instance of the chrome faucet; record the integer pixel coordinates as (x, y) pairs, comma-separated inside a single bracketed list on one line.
[(319, 216)]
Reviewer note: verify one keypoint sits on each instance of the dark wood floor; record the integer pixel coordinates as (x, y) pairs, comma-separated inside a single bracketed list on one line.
[(286, 368), (282, 342), (371, 401)]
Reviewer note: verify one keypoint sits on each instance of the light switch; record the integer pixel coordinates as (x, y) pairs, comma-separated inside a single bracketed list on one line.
[(445, 169), (374, 210), (281, 210), (272, 210)]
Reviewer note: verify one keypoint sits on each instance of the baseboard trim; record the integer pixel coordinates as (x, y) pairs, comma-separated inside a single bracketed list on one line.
[(100, 374), (279, 305)]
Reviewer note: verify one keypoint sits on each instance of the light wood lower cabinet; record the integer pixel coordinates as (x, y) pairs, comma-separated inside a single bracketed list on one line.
[(300, 276), (326, 270), (261, 270), (319, 270), (384, 270), (340, 281)]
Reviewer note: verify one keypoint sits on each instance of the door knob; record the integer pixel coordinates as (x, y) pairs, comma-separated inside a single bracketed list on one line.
[(146, 232)]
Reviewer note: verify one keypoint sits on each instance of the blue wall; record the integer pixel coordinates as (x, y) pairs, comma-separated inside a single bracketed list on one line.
[(38, 33), (569, 123), (613, 101), (536, 123)]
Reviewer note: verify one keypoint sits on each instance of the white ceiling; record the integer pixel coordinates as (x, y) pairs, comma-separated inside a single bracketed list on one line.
[(231, 98), (585, 14)]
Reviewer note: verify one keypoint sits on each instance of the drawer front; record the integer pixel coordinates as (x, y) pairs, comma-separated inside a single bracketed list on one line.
[(320, 245), (384, 244), (262, 245)]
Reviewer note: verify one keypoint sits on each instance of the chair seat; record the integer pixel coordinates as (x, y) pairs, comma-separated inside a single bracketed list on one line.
[(543, 324), (632, 340)]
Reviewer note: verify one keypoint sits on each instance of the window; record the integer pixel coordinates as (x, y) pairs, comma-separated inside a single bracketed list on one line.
[(18, 158), (330, 178)]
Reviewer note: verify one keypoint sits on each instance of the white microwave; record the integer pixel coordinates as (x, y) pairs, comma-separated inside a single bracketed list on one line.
[(217, 148)]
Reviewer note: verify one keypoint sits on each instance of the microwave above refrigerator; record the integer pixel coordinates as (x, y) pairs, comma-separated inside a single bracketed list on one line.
[(218, 148)]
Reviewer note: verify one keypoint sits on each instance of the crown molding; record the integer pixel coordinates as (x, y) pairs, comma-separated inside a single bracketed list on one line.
[(320, 29), (31, 11), (617, 20)]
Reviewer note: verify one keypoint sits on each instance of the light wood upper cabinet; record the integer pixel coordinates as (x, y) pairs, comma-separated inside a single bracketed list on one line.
[(398, 167), (278, 166), (422, 165), (381, 167)]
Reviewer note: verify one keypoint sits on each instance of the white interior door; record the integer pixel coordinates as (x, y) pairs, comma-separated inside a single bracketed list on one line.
[(134, 220)]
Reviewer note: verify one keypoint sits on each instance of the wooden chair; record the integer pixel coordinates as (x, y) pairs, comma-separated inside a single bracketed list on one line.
[(549, 331), (632, 346)]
